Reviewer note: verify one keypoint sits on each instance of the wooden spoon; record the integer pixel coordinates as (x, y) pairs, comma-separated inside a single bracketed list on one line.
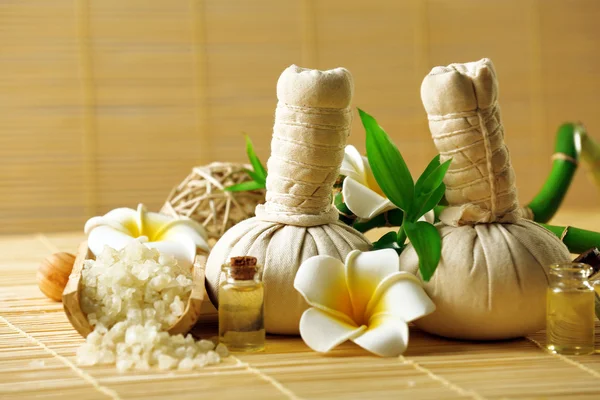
[(72, 301)]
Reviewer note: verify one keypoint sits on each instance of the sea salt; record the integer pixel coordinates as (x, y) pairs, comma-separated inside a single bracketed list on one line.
[(130, 298), (222, 350)]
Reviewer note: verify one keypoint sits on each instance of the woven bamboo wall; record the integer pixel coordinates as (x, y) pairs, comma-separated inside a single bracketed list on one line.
[(106, 103)]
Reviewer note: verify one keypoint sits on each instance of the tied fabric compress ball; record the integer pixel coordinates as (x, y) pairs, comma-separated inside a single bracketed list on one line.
[(298, 221), (492, 278)]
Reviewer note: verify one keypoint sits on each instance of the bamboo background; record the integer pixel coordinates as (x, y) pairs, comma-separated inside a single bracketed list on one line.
[(110, 103)]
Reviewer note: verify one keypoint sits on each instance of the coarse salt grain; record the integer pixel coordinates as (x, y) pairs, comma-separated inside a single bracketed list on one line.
[(131, 297)]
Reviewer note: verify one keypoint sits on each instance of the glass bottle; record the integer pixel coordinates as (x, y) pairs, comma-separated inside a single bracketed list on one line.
[(570, 309), (241, 306)]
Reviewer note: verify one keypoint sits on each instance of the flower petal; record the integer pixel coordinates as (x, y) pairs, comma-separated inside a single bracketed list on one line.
[(180, 229), (428, 217), (370, 180), (386, 336), (322, 282), (400, 295), (362, 201), (352, 164), (105, 235), (322, 331), (121, 219), (150, 223), (364, 272)]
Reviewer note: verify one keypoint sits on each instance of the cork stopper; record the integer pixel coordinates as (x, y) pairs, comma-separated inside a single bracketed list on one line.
[(243, 268), (590, 257)]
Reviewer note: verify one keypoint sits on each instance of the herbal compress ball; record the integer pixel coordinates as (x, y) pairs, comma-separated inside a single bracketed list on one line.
[(492, 278), (312, 122)]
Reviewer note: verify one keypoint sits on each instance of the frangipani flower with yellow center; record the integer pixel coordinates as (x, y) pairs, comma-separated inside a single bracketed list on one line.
[(366, 300), (361, 192), (180, 238)]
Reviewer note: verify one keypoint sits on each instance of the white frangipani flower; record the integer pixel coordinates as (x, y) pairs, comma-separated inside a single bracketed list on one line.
[(366, 300), (360, 190), (180, 238)]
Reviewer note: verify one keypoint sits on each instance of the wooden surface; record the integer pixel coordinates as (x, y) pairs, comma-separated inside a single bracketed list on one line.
[(37, 348), (107, 103)]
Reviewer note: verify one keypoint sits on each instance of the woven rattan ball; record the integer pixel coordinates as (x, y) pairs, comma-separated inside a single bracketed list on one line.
[(201, 197)]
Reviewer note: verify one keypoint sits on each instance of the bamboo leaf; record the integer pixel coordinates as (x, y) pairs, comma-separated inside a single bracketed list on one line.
[(433, 180), (341, 206), (254, 160), (255, 176), (387, 164), (426, 240), (245, 186), (387, 241), (433, 200), (443, 201), (433, 164), (428, 183)]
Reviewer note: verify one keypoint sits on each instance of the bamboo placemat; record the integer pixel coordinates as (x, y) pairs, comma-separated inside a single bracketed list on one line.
[(37, 349)]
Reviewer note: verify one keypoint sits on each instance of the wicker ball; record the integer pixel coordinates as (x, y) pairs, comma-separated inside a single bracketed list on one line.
[(201, 197)]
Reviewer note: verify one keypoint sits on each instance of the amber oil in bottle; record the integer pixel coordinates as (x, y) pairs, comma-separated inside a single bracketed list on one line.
[(570, 309), (241, 306)]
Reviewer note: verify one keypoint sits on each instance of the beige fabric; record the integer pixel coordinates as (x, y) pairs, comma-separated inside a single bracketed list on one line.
[(461, 101), (491, 281), (312, 122), (492, 278), (281, 249), (298, 221)]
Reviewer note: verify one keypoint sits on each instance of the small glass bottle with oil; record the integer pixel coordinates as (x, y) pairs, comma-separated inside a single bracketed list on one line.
[(570, 309), (241, 306)]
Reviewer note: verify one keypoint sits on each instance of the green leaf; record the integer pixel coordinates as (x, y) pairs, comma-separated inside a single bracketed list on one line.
[(426, 240), (387, 164), (433, 164), (245, 186), (428, 183), (443, 201), (256, 164), (388, 241), (433, 180), (341, 206), (255, 176), (433, 200)]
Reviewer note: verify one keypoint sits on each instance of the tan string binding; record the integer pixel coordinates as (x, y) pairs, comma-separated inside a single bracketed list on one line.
[(464, 120), (490, 167), (306, 152)]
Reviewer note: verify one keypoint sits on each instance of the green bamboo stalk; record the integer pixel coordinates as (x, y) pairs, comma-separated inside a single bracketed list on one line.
[(577, 240), (566, 157)]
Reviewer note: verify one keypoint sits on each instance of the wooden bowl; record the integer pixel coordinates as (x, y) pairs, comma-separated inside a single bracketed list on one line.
[(72, 302)]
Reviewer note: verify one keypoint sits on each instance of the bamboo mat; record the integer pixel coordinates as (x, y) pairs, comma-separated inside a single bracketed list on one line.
[(37, 349)]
